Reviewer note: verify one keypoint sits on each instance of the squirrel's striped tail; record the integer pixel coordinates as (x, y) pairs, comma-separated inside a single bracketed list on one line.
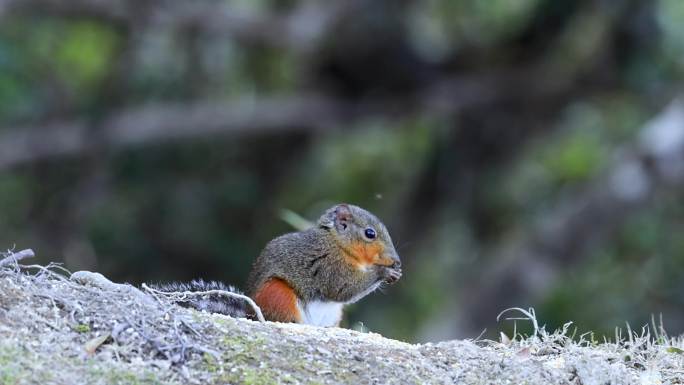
[(212, 303)]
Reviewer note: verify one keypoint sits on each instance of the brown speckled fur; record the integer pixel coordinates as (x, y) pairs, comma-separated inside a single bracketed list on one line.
[(333, 261)]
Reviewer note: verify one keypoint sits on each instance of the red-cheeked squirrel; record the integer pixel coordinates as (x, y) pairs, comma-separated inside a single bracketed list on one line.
[(308, 276)]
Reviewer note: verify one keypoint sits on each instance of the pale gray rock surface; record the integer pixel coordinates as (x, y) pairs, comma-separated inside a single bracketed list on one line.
[(88, 330)]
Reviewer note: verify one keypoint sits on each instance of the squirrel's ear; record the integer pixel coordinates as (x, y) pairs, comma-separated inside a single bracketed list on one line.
[(338, 216), (342, 217), (343, 212)]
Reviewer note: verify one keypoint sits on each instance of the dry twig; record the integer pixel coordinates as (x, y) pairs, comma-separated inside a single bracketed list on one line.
[(18, 256)]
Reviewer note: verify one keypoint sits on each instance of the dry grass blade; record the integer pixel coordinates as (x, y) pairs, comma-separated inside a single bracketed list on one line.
[(92, 345)]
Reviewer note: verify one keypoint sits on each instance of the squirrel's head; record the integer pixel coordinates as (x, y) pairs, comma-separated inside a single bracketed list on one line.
[(361, 235)]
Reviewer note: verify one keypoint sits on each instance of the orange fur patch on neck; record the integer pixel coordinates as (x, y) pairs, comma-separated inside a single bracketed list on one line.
[(363, 254), (278, 301)]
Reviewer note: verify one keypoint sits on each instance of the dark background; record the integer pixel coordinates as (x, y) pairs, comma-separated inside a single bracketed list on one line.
[(509, 146)]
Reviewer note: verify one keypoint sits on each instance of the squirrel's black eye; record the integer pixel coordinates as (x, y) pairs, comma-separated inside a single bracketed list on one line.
[(369, 233)]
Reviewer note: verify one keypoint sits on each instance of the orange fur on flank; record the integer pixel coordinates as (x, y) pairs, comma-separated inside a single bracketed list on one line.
[(278, 301)]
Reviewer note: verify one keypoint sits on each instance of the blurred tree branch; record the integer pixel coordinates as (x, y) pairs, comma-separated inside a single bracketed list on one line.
[(297, 30), (173, 121), (444, 96), (138, 126)]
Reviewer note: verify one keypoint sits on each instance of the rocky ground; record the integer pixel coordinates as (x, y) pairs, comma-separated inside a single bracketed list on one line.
[(58, 328)]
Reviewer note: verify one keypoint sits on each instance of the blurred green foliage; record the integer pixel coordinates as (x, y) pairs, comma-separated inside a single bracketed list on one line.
[(455, 188)]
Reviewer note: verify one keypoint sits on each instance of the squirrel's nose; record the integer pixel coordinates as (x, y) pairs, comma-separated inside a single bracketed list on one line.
[(396, 264)]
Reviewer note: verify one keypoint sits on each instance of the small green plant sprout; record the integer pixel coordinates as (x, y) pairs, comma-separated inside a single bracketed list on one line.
[(81, 328)]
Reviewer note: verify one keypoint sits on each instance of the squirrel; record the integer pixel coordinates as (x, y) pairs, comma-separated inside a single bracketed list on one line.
[(308, 276)]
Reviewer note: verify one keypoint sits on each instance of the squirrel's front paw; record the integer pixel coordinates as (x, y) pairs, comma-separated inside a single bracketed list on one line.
[(392, 275)]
